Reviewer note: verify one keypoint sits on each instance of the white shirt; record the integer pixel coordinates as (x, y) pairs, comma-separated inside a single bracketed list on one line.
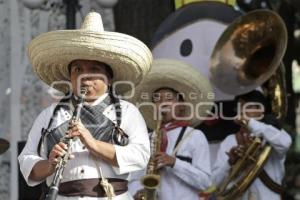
[(184, 180), (278, 139), (130, 158)]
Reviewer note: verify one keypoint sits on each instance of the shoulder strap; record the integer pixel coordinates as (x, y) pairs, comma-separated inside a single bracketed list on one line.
[(176, 148), (45, 131), (118, 111), (270, 183), (116, 102), (180, 136)]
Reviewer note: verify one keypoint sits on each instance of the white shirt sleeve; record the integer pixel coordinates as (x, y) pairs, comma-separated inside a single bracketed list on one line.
[(134, 184), (136, 154), (196, 174), (29, 156), (280, 140), (221, 166)]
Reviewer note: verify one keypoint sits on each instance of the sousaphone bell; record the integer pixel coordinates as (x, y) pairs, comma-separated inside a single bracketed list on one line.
[(246, 55)]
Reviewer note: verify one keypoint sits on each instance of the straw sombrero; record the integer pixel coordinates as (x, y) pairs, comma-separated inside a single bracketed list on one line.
[(183, 78), (51, 52)]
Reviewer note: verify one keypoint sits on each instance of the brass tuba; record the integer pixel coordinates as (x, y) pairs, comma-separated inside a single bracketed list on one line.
[(152, 178), (248, 53)]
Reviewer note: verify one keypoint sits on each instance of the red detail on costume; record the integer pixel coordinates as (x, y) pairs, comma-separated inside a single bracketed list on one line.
[(167, 127)]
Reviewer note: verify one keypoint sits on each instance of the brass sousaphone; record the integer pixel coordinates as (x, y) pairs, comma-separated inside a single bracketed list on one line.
[(248, 53)]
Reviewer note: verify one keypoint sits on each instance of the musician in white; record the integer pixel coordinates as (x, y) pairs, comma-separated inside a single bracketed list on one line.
[(255, 123), (78, 56), (183, 158)]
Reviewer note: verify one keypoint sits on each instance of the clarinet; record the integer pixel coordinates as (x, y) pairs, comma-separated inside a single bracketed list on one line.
[(59, 169)]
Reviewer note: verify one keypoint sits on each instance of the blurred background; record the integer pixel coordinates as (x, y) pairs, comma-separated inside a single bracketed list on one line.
[(156, 23)]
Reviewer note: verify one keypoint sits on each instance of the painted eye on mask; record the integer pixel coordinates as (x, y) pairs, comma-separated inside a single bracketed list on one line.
[(186, 47)]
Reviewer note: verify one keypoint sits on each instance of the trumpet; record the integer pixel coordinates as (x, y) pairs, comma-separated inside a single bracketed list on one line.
[(59, 169)]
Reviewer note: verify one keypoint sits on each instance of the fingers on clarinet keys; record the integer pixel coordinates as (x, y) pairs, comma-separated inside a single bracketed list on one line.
[(58, 150), (63, 148), (73, 123), (72, 129), (58, 158)]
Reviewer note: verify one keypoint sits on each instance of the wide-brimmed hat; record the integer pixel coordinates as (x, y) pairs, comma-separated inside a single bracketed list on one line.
[(50, 53), (181, 77)]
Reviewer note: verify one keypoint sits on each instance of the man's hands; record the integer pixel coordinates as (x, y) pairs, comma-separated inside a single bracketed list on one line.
[(163, 160), (57, 151), (244, 140), (44, 168), (76, 129), (242, 121), (235, 153)]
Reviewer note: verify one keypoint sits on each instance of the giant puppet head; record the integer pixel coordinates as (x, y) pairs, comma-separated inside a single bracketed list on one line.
[(190, 34)]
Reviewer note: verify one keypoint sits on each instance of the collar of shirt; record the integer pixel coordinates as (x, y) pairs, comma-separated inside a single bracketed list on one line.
[(97, 101), (173, 125)]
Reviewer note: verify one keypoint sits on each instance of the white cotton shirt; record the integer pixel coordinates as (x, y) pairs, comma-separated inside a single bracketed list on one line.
[(130, 158), (185, 180), (278, 139)]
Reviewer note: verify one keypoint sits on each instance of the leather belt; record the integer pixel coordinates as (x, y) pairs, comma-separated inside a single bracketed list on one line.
[(91, 187)]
